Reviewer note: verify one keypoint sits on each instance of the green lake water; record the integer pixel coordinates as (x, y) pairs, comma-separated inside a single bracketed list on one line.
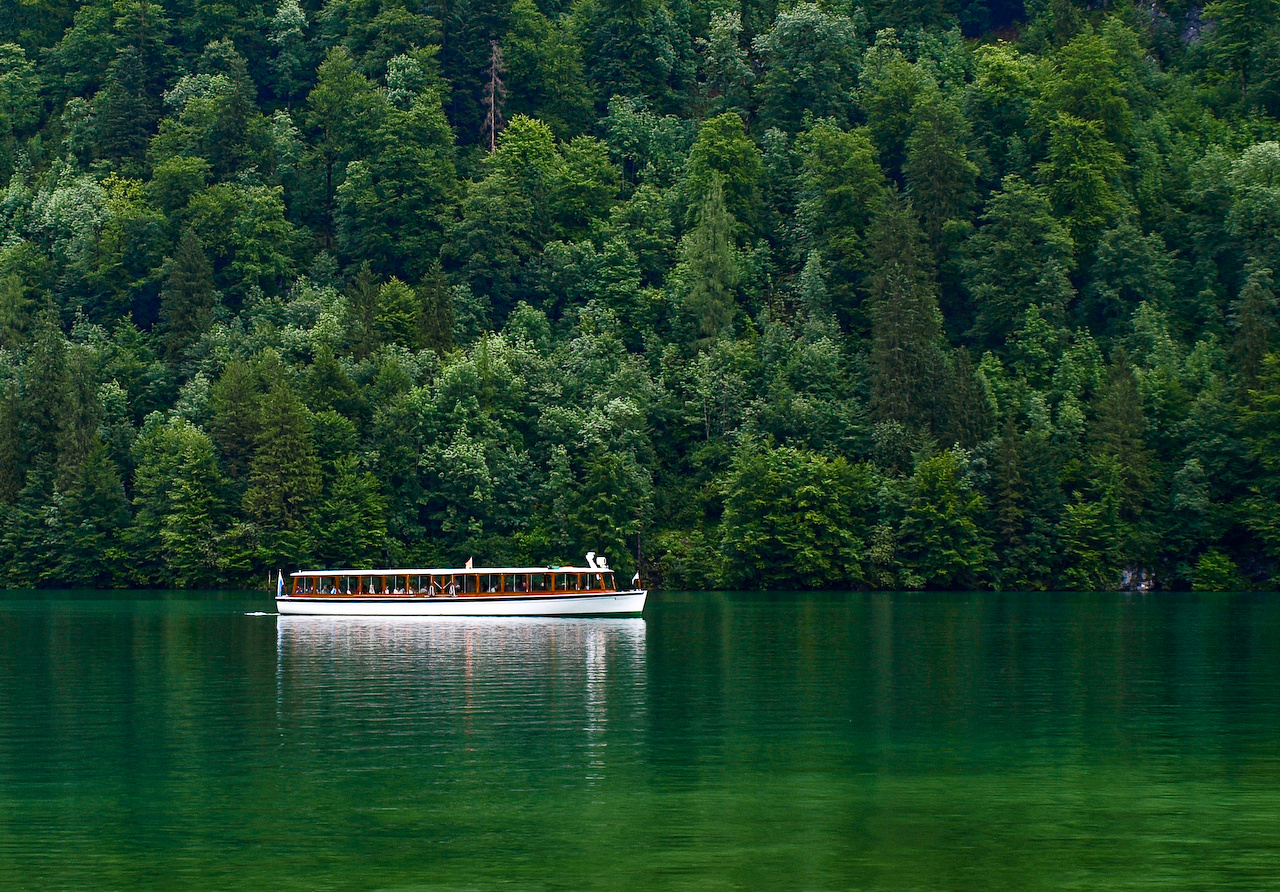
[(774, 742)]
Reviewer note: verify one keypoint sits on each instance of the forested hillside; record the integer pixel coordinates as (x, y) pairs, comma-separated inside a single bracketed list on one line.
[(931, 293)]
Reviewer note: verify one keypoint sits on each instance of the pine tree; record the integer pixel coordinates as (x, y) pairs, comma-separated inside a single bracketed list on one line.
[(125, 110), (194, 526), (284, 479), (352, 521), (188, 300), (12, 453), (397, 320), (288, 34), (95, 517), (1123, 468), (436, 316), (940, 176), (907, 356), (362, 308), (234, 426), (709, 268), (1253, 319), (46, 386)]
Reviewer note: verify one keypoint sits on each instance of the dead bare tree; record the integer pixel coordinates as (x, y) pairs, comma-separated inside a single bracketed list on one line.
[(495, 92)]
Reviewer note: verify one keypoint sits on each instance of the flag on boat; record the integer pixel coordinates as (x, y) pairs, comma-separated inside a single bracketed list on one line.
[(469, 567), (635, 580), (279, 583)]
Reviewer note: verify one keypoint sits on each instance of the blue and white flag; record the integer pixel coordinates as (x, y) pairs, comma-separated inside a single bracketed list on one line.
[(279, 583)]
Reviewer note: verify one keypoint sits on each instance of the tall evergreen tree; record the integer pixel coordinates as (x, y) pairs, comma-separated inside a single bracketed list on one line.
[(284, 480), (188, 300), (907, 354), (709, 269)]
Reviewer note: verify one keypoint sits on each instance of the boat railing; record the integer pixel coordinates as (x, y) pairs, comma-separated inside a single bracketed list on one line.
[(436, 585)]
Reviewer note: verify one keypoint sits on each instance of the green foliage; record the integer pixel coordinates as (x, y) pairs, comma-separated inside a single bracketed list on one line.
[(811, 65), (284, 479), (793, 519), (1021, 257), (709, 270), (907, 349), (940, 539), (1081, 175), (801, 295)]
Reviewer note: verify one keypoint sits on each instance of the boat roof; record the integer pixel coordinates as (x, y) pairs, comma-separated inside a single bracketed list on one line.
[(447, 571)]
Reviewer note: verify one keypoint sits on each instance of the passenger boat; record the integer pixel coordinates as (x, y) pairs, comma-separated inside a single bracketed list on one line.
[(468, 591)]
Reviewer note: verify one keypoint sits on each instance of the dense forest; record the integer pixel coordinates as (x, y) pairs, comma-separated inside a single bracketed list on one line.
[(926, 294)]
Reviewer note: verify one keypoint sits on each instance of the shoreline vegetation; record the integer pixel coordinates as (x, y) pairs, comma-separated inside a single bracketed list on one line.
[(886, 296)]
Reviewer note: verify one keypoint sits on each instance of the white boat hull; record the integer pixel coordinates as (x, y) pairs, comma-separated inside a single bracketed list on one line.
[(603, 604)]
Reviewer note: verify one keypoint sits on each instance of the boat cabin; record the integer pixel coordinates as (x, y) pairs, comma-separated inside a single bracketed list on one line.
[(513, 582)]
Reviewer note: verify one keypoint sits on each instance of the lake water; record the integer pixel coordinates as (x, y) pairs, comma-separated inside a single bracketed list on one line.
[(773, 742)]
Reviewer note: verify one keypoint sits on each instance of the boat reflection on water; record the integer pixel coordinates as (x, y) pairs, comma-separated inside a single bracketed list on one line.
[(487, 686), (529, 640)]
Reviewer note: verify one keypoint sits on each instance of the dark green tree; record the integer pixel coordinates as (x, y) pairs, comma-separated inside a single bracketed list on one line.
[(284, 480), (795, 519), (188, 300), (810, 60), (709, 269), (1020, 257), (907, 349)]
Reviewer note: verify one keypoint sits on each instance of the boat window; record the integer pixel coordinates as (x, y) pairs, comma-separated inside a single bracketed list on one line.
[(596, 581), (328, 586), (469, 584), (490, 584), (609, 584), (540, 582), (518, 582), (566, 582)]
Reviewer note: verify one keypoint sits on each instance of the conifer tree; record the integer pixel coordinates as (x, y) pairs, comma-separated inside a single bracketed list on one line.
[(940, 176), (125, 110), (288, 34), (188, 300), (362, 308), (46, 386), (1020, 257), (907, 354), (234, 400), (1254, 322), (352, 520), (436, 314), (1123, 469), (194, 526), (709, 269), (284, 479), (95, 520)]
